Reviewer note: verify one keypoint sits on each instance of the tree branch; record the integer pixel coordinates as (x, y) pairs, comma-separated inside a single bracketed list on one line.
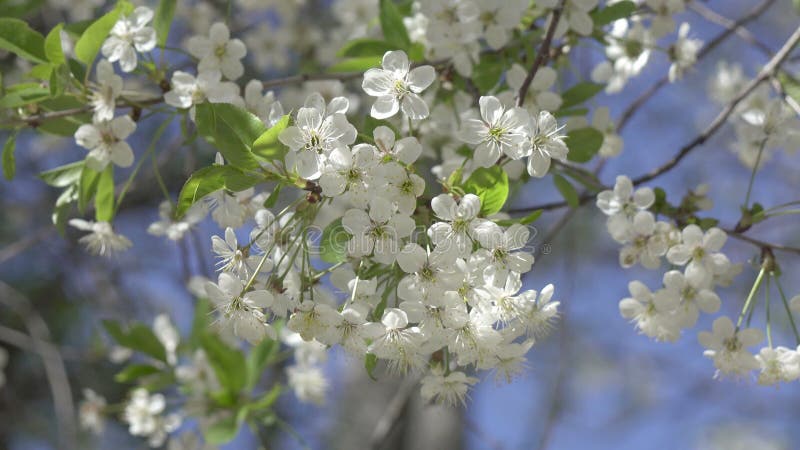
[(712, 44), (542, 54)]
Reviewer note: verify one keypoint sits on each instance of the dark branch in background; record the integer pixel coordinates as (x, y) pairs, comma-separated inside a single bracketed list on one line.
[(712, 16), (54, 367), (391, 416), (712, 44), (542, 55), (765, 73)]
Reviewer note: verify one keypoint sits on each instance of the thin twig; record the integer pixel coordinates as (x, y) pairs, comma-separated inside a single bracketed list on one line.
[(54, 366), (712, 44), (542, 54), (712, 16)]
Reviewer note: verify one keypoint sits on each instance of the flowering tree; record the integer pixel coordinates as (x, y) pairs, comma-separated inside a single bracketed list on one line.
[(364, 202)]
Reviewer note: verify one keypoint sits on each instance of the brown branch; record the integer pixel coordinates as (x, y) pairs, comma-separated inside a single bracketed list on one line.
[(767, 72), (712, 44), (712, 16), (542, 54), (759, 243), (394, 410)]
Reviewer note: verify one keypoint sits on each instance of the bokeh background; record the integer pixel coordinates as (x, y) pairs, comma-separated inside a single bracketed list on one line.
[(593, 384)]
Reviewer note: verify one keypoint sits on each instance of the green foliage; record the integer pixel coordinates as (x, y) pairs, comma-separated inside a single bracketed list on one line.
[(133, 372), (87, 47), (63, 207), (579, 93), (229, 364), (619, 10), (360, 64), (163, 20), (583, 144), (137, 337), (530, 218), (211, 179), (63, 176), (52, 46), (267, 146), (333, 243), (261, 356), (790, 85), (104, 197), (87, 187), (491, 186), (394, 31), (365, 47), (567, 190), (486, 74), (370, 361), (24, 94), (9, 162), (18, 38), (231, 130)]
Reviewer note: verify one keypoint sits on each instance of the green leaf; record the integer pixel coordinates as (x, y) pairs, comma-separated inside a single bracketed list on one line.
[(365, 47), (163, 20), (369, 363), (530, 218), (268, 399), (137, 337), (491, 185), (579, 93), (133, 372), (267, 145), (790, 85), (273, 197), (486, 74), (333, 243), (9, 162), (231, 131), (392, 25), (567, 190), (104, 198), (200, 322), (259, 358), (583, 144), (87, 186), (63, 207), (18, 38), (25, 96), (92, 39), (211, 179), (64, 126), (10, 8), (52, 46), (361, 64), (222, 431), (229, 364), (63, 176), (619, 10), (571, 112)]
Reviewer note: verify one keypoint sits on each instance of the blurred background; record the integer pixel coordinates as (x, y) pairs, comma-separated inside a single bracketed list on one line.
[(593, 384)]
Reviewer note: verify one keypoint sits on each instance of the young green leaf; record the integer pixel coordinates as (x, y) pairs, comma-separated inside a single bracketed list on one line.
[(567, 190), (222, 431), (52, 46), (267, 145), (360, 64), (87, 187), (333, 243), (133, 372), (369, 363), (18, 38), (92, 39), (229, 364), (211, 179), (225, 128), (163, 20), (616, 11), (137, 337), (530, 218), (491, 186), (394, 30), (364, 47), (579, 93), (104, 198), (486, 74), (63, 176), (583, 144), (9, 162)]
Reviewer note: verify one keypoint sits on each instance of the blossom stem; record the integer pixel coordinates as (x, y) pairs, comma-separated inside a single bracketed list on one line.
[(788, 311), (750, 296), (753, 173), (766, 304), (150, 149)]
